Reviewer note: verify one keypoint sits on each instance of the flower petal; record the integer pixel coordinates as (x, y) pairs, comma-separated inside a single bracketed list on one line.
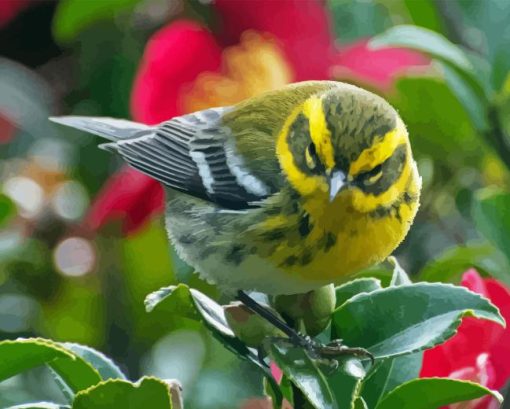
[(500, 352), (128, 194), (302, 28), (378, 68), (173, 58), (9, 9)]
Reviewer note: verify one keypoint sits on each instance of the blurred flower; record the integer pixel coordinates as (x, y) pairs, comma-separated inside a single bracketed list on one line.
[(480, 351), (9, 9), (129, 196), (376, 68), (261, 45)]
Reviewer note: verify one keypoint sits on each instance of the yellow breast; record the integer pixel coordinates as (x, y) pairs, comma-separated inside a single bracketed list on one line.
[(341, 240)]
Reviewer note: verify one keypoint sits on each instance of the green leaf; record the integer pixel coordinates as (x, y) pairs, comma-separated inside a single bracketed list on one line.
[(177, 298), (399, 276), (116, 393), (388, 374), (450, 265), (425, 40), (302, 371), (192, 304), (424, 14), (400, 320), (475, 105), (72, 16), (359, 285), (345, 381), (360, 404), (429, 393), (7, 209), (22, 354), (104, 365), (492, 218), (39, 405), (272, 389)]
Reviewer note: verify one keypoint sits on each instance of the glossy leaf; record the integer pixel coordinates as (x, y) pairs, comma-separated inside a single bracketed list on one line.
[(302, 371), (22, 354), (492, 217), (105, 366), (359, 285), (345, 381), (400, 320), (429, 393), (422, 39), (116, 393), (388, 374), (399, 276), (449, 266), (192, 304)]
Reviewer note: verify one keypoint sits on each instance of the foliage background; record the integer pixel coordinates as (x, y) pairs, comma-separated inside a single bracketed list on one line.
[(61, 279)]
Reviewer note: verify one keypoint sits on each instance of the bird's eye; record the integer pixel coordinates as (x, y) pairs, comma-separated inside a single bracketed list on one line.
[(371, 176), (311, 157)]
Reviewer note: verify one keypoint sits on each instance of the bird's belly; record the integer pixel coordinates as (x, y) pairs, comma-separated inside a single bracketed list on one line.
[(356, 242)]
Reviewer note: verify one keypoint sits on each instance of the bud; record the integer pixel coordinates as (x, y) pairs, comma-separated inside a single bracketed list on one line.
[(313, 308), (248, 326)]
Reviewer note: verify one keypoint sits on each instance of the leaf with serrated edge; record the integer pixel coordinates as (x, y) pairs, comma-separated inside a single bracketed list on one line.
[(357, 286), (399, 276), (388, 374), (426, 393), (117, 393), (105, 366), (301, 370), (22, 354), (400, 320)]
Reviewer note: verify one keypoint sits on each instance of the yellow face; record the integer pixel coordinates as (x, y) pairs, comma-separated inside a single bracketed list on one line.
[(368, 167)]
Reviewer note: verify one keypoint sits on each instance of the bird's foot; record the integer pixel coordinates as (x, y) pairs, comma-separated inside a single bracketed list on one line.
[(331, 350)]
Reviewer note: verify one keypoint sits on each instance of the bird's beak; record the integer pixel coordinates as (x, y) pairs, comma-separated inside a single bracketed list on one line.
[(337, 181)]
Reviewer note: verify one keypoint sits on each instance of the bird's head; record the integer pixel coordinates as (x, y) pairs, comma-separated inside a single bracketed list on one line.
[(347, 145)]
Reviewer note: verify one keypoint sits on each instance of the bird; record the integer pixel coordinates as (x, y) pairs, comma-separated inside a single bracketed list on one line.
[(282, 193)]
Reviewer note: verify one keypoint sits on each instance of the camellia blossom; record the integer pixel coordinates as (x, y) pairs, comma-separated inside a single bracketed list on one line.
[(260, 45), (480, 351), (9, 9)]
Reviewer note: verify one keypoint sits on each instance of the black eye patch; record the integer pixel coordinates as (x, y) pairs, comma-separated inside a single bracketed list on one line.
[(391, 170), (368, 174)]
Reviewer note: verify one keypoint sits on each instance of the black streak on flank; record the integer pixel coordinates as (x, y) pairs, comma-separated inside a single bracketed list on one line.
[(290, 261), (306, 258), (304, 226), (330, 241), (236, 254)]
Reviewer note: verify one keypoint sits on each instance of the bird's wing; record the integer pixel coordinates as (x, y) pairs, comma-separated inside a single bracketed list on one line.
[(193, 153)]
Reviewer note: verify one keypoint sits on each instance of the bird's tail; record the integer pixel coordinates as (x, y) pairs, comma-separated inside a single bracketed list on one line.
[(109, 128)]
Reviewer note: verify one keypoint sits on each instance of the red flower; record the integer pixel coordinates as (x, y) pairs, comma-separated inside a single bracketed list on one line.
[(480, 351), (129, 195), (9, 9), (261, 45)]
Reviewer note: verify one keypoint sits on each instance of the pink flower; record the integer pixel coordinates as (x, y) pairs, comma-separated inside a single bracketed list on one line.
[(480, 351)]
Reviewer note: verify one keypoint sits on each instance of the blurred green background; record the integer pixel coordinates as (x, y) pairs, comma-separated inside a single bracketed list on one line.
[(61, 279)]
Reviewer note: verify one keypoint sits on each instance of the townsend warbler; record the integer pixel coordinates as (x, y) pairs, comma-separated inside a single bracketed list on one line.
[(283, 193)]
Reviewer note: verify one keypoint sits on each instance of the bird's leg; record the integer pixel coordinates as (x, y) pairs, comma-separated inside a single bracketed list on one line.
[(318, 350), (293, 335)]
